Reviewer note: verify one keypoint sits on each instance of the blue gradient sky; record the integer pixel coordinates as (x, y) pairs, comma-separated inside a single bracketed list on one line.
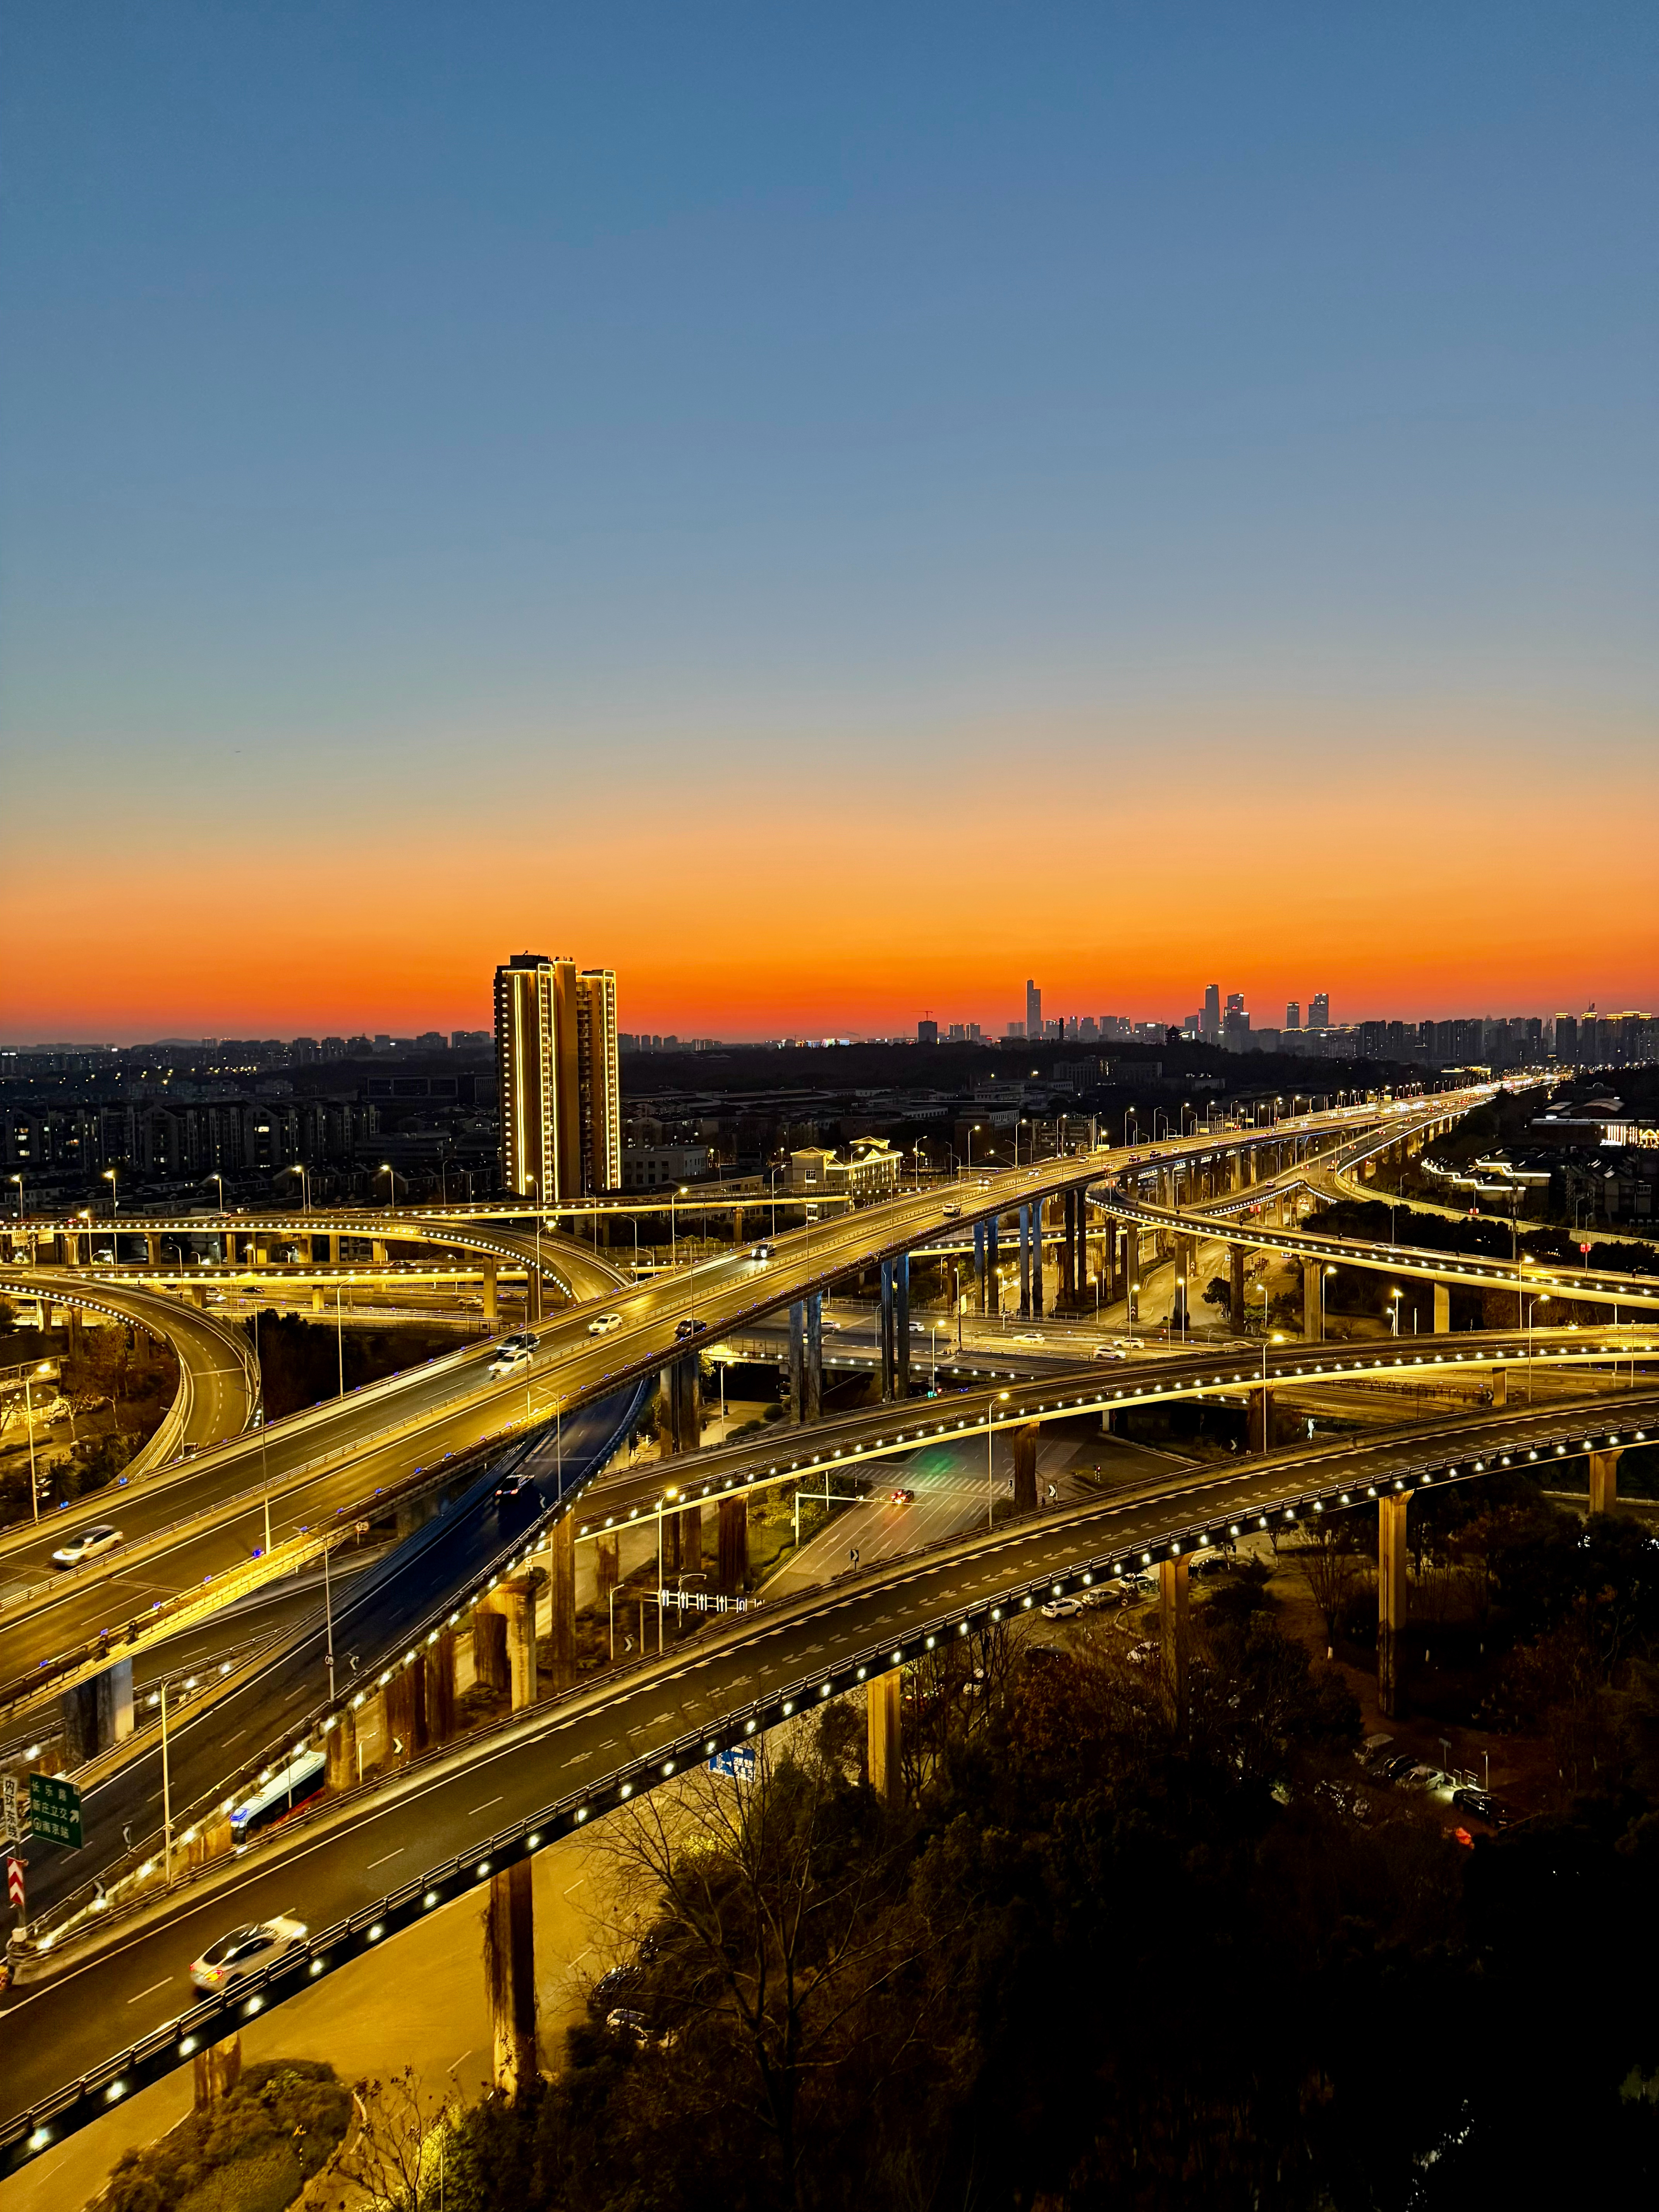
[(829, 510)]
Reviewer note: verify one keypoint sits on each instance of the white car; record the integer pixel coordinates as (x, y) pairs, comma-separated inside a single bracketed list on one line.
[(509, 1357), (245, 1950), (1109, 1352), (91, 1544), (604, 1324), (1062, 1608)]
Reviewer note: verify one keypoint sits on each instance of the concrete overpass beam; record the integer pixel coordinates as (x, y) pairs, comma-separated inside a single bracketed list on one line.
[(510, 1975), (1604, 1478), (1391, 1604), (1174, 1619), (884, 1718)]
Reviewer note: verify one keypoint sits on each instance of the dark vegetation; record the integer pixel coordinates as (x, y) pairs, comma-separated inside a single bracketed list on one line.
[(252, 2152), (299, 1360), (1104, 1960), (115, 1385)]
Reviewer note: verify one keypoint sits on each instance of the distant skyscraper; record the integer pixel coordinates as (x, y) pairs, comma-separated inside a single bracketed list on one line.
[(1033, 1009), (1293, 1014), (557, 1052), (927, 1031), (1319, 1014), (1210, 1024)]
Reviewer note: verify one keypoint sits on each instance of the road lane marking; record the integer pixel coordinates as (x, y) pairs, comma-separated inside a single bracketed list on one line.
[(485, 1807), (149, 1992)]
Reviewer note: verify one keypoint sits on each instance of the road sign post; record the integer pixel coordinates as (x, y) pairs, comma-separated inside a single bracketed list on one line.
[(55, 1810), (14, 1833)]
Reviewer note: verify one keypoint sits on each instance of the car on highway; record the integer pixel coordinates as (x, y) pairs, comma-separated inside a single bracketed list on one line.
[(509, 1357), (690, 1328), (86, 1543), (604, 1325), (245, 1950), (514, 1487), (901, 1497), (1111, 1351), (950, 1212), (761, 1252)]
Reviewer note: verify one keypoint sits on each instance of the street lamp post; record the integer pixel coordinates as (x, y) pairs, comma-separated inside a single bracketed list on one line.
[(18, 1180), (114, 1217)]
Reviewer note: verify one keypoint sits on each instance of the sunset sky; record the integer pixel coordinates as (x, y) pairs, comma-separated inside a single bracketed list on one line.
[(826, 510)]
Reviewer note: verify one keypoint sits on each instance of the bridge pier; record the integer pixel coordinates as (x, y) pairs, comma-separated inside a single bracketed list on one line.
[(490, 1670), (440, 1689), (1024, 1262), (517, 1601), (684, 1378), (215, 2071), (1068, 1248), (340, 1752), (510, 1975), (152, 1248), (1313, 1301), (884, 1334), (1038, 1207), (607, 1567), (979, 1266), (993, 1302), (491, 1310), (1500, 1387), (733, 1538), (806, 1358), (902, 1326), (1391, 1603), (1236, 1279), (1174, 1624), (884, 1722), (97, 1714), (1261, 1419), (1025, 1458), (1604, 1478), (1442, 1309), (1181, 1303)]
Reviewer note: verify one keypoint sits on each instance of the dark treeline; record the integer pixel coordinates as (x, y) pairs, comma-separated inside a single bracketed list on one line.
[(1103, 1961), (299, 1360)]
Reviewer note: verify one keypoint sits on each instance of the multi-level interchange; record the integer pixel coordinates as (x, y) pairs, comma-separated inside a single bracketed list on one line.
[(362, 1693)]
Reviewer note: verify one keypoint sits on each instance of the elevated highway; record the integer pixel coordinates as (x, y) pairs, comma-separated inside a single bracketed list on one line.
[(372, 1862)]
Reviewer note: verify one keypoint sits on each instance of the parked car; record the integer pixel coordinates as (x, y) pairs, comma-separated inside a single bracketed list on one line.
[(1482, 1804), (245, 1950), (1061, 1608), (86, 1543)]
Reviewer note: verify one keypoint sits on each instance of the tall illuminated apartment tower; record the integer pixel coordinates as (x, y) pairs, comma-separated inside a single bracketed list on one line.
[(555, 1051)]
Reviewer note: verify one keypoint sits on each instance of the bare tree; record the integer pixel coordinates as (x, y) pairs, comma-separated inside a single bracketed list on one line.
[(772, 1915), (399, 2149), (1327, 1558)]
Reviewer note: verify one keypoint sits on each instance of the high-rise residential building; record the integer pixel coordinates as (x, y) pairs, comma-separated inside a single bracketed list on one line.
[(1209, 1022), (1033, 1009), (927, 1030), (557, 1052), (1293, 1014), (1319, 1017)]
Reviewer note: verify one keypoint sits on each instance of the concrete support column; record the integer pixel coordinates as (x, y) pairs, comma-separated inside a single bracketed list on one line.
[(733, 1545), (316, 1303), (377, 1248), (489, 1663), (1313, 1301), (1024, 1262), (562, 1591), (1236, 1301), (1173, 1621), (902, 1326), (1500, 1387), (510, 1975), (1025, 1458), (883, 1712), (884, 1334), (815, 1357), (979, 1266), (440, 1689), (691, 1532), (217, 2072), (994, 1281), (1442, 1309), (685, 1378), (607, 1566), (1604, 1478), (517, 1600), (340, 1752), (1036, 1258), (491, 1308), (1262, 1419), (119, 1699), (153, 1249), (1182, 1304), (1068, 1248), (1390, 1602), (798, 1362)]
